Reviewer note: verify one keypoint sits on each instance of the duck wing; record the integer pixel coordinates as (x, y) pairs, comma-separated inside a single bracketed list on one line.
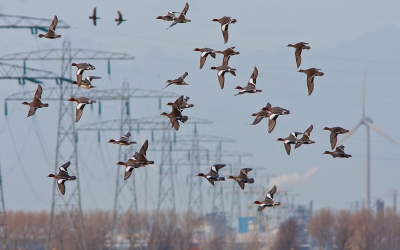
[(203, 58), (258, 120), (221, 78), (174, 123), (308, 131), (287, 147), (333, 139), (38, 93), (61, 186), (53, 24), (64, 167), (128, 172), (241, 184), (297, 54), (144, 147), (270, 194), (185, 9), (32, 111), (253, 77), (79, 111), (224, 29), (310, 84), (272, 122)]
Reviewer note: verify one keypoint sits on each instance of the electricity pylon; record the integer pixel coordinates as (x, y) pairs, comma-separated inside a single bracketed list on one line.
[(125, 124), (33, 23), (66, 149), (3, 220)]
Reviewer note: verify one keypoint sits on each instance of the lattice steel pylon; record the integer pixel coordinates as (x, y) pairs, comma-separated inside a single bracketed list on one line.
[(33, 23), (66, 148), (125, 124), (3, 219)]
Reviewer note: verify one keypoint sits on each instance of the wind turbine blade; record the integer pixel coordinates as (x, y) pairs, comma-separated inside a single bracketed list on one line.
[(363, 93), (379, 131), (352, 131)]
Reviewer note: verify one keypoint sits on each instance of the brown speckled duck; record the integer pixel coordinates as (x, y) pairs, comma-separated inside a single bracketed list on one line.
[(338, 153), (51, 33), (311, 74), (36, 102), (242, 178), (299, 48), (334, 133)]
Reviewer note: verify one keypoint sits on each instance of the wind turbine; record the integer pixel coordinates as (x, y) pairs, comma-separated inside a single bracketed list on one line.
[(369, 124)]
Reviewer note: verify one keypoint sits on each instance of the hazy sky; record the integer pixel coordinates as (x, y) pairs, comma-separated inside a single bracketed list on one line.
[(346, 38)]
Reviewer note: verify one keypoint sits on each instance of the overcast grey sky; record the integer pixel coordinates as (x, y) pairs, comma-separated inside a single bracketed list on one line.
[(346, 38)]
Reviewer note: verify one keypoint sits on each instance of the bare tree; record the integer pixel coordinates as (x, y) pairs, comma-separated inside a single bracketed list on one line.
[(286, 238), (320, 226), (97, 226), (342, 230), (364, 233)]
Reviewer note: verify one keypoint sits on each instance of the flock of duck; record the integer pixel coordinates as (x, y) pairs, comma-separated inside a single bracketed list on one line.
[(175, 116)]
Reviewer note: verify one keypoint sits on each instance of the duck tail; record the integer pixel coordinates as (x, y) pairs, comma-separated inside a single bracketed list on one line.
[(150, 162), (74, 82), (221, 178), (191, 106), (278, 203), (73, 178), (250, 180), (45, 105)]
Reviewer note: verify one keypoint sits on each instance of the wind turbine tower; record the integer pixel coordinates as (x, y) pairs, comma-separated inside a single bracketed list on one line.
[(368, 122)]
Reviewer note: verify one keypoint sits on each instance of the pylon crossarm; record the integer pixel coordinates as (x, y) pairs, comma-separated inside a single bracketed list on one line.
[(21, 22), (76, 54), (152, 123), (10, 71)]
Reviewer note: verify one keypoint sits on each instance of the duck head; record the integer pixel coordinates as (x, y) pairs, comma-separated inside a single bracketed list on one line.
[(257, 202), (72, 99), (213, 67), (164, 113), (196, 49), (215, 20), (327, 153), (326, 128), (201, 174), (25, 103), (238, 87), (51, 175), (231, 177)]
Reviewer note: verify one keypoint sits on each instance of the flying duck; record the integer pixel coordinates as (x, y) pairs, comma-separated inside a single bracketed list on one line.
[(227, 55), (334, 133), (136, 161), (213, 175), (119, 20), (221, 73), (204, 53), (82, 101), (85, 83), (169, 17), (311, 73), (51, 33), (339, 153), (62, 177), (275, 113), (123, 141), (36, 102), (179, 81), (299, 48), (251, 84), (181, 103), (268, 202), (175, 116), (242, 178), (291, 139), (181, 18), (225, 21), (260, 115), (306, 138), (94, 17)]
